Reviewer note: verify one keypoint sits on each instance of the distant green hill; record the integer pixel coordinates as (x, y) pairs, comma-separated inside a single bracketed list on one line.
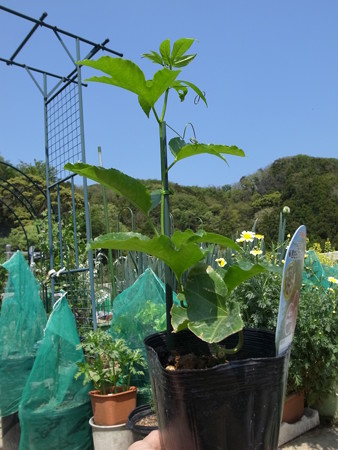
[(308, 185)]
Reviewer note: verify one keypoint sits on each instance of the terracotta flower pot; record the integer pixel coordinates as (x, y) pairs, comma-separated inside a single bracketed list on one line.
[(113, 409), (293, 408)]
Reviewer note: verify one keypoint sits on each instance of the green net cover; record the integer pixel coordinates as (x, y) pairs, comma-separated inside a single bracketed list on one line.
[(139, 311), (317, 273), (22, 320), (55, 408)]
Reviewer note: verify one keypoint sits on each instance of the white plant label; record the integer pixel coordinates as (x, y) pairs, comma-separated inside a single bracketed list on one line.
[(290, 290)]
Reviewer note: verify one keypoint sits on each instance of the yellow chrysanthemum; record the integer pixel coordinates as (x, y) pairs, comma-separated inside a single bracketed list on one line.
[(259, 236), (221, 262), (248, 236), (333, 280)]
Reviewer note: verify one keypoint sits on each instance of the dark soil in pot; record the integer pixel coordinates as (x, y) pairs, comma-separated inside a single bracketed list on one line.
[(232, 406)]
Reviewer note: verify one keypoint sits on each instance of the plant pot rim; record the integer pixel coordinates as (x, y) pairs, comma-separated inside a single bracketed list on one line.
[(232, 364), (105, 427), (138, 413), (96, 392)]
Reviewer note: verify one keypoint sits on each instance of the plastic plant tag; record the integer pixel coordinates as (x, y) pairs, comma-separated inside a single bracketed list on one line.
[(290, 290)]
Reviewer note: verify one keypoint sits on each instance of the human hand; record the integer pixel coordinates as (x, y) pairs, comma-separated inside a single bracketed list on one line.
[(151, 442)]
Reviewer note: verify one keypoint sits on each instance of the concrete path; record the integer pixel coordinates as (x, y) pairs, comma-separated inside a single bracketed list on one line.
[(319, 438)]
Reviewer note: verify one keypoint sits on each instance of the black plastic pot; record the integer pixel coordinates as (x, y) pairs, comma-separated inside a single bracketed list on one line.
[(140, 431), (232, 406)]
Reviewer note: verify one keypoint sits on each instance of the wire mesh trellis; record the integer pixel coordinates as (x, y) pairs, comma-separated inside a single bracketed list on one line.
[(64, 130)]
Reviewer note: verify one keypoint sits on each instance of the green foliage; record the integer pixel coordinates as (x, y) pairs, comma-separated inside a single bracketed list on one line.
[(109, 363), (313, 362)]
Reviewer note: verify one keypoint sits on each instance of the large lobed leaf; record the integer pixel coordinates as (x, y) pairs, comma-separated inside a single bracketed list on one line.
[(132, 189), (236, 275), (127, 75), (210, 314), (178, 259)]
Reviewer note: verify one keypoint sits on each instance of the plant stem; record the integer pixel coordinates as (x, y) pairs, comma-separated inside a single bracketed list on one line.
[(165, 227), (164, 104), (232, 351)]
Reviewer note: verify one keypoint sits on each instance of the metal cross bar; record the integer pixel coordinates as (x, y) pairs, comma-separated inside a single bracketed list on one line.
[(29, 35), (52, 27)]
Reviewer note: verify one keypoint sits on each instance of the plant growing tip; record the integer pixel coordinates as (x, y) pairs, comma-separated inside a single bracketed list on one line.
[(206, 307)]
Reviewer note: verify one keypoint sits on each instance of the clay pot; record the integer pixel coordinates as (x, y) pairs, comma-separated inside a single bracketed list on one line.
[(293, 408), (113, 409)]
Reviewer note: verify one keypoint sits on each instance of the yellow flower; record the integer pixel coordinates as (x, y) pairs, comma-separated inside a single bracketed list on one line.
[(221, 262), (247, 236), (256, 252), (259, 236), (240, 239), (333, 280), (330, 289)]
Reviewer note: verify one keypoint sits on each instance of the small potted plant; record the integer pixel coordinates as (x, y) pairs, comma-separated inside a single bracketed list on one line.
[(207, 318), (109, 364)]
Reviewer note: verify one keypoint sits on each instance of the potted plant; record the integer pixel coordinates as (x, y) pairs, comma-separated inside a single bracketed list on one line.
[(109, 365), (207, 318), (312, 370), (142, 421)]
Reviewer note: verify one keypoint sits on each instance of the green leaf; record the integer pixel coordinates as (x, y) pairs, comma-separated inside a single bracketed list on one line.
[(180, 89), (199, 149), (175, 145), (154, 88), (211, 315), (178, 259), (215, 238), (127, 75), (179, 318), (235, 275), (123, 184), (165, 51), (154, 57), (180, 47), (196, 89), (155, 198), (144, 105), (123, 73), (184, 61)]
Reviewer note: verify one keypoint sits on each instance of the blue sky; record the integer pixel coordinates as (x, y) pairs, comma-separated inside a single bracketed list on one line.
[(269, 69)]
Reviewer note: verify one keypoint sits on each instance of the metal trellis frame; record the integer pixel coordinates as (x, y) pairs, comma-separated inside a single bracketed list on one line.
[(64, 142)]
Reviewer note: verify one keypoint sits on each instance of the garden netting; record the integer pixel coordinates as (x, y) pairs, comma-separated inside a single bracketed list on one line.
[(22, 320), (139, 311), (317, 273), (55, 408)]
